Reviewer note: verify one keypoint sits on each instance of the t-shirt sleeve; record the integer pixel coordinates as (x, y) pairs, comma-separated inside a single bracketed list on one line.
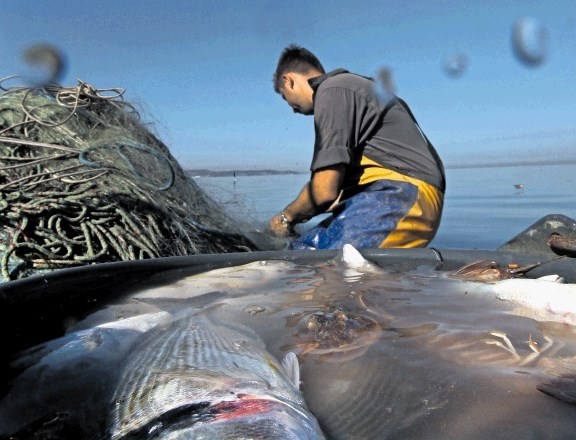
[(334, 110)]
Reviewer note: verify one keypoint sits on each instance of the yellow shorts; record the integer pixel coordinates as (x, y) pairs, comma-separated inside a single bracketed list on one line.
[(397, 212)]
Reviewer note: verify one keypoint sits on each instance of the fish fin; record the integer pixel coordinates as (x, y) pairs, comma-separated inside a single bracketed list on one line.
[(291, 367), (483, 270), (554, 278), (561, 388), (353, 258)]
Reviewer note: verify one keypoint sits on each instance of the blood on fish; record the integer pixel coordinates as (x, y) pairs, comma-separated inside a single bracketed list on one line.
[(240, 408)]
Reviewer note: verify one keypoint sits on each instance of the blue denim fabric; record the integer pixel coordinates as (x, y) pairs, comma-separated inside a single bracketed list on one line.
[(364, 220)]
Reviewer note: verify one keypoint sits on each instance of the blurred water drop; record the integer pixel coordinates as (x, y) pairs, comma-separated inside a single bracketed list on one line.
[(530, 41), (455, 65), (46, 64), (384, 87)]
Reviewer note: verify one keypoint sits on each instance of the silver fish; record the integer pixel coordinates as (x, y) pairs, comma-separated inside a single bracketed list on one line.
[(385, 351), (193, 379), (544, 298), (61, 373)]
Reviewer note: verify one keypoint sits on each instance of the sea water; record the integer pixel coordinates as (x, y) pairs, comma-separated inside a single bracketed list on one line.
[(484, 207)]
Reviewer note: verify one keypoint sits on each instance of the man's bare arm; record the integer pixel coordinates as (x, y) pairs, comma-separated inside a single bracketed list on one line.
[(316, 197)]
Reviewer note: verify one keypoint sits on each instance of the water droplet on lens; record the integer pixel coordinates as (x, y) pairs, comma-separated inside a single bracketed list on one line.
[(46, 64), (530, 41), (384, 87), (455, 65)]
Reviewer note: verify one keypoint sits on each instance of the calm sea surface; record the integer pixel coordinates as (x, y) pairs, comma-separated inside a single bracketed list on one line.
[(483, 208)]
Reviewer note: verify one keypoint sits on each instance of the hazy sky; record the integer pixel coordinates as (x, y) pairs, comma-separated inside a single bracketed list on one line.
[(202, 69)]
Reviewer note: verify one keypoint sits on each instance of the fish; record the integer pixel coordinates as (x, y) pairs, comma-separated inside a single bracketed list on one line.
[(491, 271), (371, 368), (59, 374), (547, 297), (394, 350), (196, 379), (353, 259)]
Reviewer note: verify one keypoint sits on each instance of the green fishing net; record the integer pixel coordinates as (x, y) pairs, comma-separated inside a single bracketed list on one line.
[(83, 180)]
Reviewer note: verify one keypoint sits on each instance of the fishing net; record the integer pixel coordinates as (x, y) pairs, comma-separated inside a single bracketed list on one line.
[(83, 180)]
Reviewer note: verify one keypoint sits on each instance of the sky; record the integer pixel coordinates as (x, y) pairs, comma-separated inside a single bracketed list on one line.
[(202, 70)]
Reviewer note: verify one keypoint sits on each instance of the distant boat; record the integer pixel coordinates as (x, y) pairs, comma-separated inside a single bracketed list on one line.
[(519, 185)]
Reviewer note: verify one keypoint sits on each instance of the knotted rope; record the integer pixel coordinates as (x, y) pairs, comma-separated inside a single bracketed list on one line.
[(83, 180)]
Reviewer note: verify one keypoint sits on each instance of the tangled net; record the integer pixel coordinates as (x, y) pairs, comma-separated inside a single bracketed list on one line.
[(82, 181)]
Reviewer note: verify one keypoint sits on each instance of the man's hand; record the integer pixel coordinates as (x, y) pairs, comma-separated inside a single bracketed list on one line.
[(317, 196), (279, 228)]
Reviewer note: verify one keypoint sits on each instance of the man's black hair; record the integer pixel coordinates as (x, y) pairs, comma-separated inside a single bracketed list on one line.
[(295, 59)]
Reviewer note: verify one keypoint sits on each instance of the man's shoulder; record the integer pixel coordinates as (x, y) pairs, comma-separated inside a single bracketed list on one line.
[(346, 80), (346, 84), (340, 79)]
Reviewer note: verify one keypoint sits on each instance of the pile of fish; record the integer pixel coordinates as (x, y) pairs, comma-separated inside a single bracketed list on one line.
[(343, 349), (191, 379)]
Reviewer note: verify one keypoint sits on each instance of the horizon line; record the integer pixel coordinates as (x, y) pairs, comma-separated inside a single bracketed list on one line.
[(460, 165)]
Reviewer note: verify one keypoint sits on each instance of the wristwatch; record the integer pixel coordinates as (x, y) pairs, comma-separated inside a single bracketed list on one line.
[(286, 224)]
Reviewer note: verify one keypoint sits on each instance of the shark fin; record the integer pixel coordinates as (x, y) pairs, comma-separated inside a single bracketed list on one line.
[(352, 258)]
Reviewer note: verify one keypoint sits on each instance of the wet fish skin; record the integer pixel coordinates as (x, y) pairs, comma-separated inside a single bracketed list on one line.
[(546, 298), (50, 373), (548, 294), (193, 379)]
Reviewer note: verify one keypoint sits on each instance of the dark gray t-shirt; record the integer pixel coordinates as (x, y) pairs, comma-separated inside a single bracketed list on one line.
[(351, 123)]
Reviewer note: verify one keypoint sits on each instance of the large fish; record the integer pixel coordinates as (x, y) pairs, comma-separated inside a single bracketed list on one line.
[(394, 350), (545, 298), (65, 384), (420, 357), (192, 379), (464, 361)]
